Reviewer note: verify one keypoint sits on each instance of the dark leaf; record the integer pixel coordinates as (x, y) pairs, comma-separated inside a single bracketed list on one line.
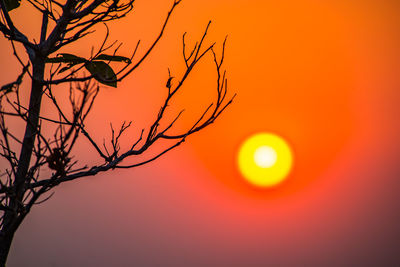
[(12, 4), (168, 85), (102, 72), (71, 57), (113, 58), (66, 58)]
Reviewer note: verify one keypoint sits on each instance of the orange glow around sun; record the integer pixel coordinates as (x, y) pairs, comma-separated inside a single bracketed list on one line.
[(294, 65)]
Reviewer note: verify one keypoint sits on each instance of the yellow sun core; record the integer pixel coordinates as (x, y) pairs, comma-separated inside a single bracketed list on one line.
[(265, 159)]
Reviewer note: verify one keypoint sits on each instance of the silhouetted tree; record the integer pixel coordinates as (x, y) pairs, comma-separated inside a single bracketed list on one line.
[(42, 157)]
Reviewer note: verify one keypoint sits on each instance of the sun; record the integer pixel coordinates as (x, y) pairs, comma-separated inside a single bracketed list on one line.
[(265, 159)]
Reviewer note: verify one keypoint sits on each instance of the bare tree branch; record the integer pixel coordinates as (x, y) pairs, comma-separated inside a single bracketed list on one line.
[(47, 148)]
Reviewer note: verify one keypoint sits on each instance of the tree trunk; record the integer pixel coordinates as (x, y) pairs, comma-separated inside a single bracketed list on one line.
[(5, 244), (14, 216)]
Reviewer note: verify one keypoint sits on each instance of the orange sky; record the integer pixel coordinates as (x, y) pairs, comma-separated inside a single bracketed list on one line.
[(322, 74)]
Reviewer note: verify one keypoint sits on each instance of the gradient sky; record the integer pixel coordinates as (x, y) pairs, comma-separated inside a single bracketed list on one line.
[(322, 74)]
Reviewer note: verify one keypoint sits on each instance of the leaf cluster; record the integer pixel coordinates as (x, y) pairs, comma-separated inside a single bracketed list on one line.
[(99, 66)]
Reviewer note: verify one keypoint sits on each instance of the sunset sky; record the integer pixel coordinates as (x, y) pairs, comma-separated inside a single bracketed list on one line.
[(323, 75)]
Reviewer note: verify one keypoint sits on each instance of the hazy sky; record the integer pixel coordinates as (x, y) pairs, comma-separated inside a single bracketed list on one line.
[(322, 74)]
